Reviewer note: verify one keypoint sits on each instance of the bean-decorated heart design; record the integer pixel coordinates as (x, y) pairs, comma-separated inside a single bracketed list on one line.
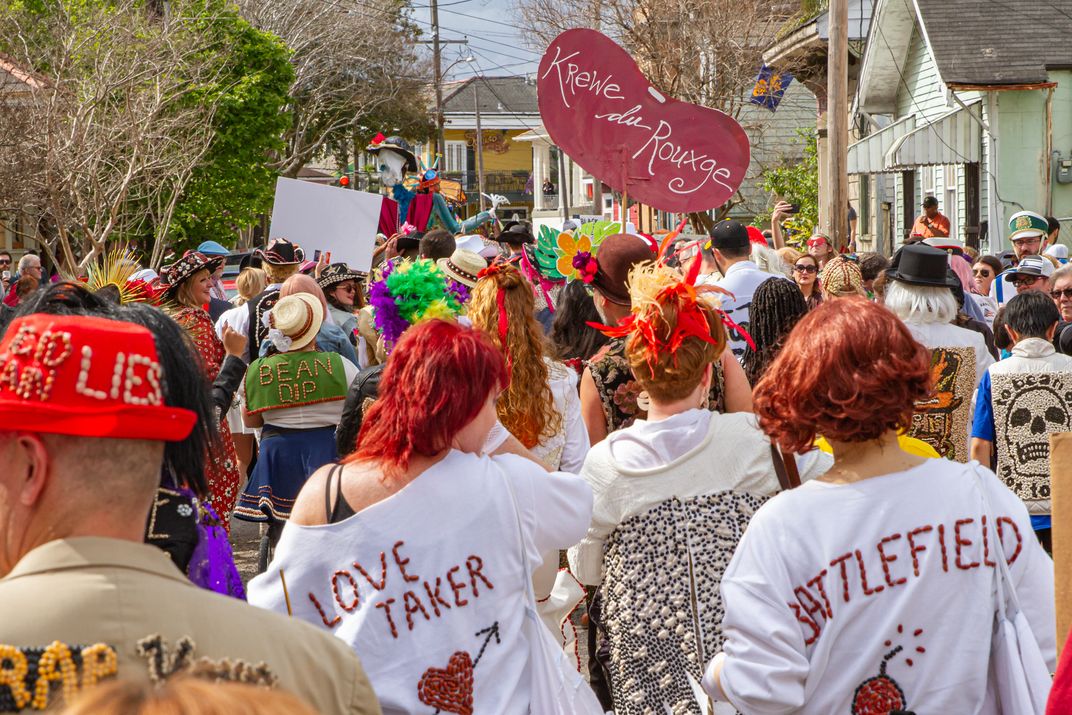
[(449, 689), (598, 107)]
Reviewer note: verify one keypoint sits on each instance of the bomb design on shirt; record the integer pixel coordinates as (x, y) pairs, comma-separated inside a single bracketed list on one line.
[(881, 694)]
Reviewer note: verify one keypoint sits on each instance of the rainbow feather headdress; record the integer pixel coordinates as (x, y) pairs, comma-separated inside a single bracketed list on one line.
[(409, 292)]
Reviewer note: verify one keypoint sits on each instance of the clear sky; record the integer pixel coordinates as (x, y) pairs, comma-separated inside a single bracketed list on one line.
[(494, 30)]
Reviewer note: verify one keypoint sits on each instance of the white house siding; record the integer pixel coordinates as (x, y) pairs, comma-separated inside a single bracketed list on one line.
[(922, 93)]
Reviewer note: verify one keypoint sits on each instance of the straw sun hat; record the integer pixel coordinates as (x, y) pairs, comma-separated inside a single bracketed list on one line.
[(294, 321)]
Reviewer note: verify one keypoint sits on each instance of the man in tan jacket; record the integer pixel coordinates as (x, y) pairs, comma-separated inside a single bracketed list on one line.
[(83, 424)]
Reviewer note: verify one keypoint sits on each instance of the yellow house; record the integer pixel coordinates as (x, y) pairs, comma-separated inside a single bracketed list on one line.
[(507, 108)]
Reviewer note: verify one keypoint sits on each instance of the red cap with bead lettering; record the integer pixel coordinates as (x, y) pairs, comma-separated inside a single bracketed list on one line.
[(85, 376)]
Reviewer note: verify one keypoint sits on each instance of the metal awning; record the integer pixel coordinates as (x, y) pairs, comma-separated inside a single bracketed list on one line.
[(954, 138), (539, 134), (868, 156)]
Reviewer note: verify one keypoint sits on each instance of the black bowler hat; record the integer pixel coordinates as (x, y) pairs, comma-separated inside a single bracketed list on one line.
[(516, 233), (921, 265)]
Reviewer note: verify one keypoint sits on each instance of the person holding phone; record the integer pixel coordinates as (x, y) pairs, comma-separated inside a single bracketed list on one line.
[(782, 211)]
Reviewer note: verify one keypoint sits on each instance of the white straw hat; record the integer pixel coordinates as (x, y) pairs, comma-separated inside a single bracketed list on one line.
[(298, 319), (463, 266)]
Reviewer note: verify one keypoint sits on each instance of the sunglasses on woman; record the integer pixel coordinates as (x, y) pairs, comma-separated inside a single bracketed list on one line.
[(982, 272), (804, 268), (1058, 294)]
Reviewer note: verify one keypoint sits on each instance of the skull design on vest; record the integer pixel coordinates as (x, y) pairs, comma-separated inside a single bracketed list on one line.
[(1028, 408)]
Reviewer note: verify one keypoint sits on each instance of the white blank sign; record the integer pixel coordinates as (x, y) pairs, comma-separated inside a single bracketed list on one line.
[(327, 218)]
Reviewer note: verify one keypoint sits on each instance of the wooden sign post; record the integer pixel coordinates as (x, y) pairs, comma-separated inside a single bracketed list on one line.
[(1061, 515)]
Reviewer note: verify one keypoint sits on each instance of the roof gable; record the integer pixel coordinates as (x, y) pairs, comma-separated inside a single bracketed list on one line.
[(888, 43), (996, 42), (494, 95)]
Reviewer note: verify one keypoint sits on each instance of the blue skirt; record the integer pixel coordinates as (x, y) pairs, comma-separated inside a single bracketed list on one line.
[(287, 458)]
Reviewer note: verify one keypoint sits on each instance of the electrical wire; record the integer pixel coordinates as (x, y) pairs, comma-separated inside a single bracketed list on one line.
[(919, 111)]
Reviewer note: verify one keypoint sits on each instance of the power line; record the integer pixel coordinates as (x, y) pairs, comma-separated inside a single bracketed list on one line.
[(519, 28)]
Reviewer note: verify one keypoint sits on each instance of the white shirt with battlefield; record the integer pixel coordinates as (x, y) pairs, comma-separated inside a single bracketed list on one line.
[(840, 597), (427, 586), (741, 279)]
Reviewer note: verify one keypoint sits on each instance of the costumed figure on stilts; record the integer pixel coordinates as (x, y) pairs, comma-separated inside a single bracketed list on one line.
[(417, 200)]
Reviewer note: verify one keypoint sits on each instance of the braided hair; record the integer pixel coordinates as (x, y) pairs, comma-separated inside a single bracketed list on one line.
[(777, 306)]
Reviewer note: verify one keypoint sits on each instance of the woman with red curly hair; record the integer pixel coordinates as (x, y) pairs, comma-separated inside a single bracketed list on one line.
[(414, 549), (870, 589)]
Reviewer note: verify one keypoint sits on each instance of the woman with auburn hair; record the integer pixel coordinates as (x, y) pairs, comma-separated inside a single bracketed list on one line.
[(540, 407), (673, 492), (873, 584), (418, 550)]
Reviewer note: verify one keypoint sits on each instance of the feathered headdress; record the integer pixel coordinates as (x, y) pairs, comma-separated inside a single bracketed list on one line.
[(410, 292), (655, 286), (116, 272)]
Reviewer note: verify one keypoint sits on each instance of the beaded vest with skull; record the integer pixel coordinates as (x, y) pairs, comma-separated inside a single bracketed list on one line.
[(1028, 408)]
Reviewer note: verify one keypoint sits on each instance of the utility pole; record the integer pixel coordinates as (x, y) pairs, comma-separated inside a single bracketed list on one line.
[(479, 146), (436, 58), (597, 183), (563, 192), (837, 140)]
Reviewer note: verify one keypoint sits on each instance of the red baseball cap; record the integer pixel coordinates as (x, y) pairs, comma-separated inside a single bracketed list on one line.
[(756, 236), (85, 376)]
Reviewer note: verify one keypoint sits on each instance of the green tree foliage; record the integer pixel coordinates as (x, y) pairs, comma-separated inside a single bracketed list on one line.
[(140, 117), (798, 183), (234, 182)]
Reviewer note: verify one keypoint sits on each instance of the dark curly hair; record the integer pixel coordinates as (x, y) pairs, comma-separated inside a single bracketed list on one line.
[(850, 372), (777, 306)]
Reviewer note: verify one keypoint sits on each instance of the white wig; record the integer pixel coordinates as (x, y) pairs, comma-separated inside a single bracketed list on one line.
[(920, 304), (768, 261)]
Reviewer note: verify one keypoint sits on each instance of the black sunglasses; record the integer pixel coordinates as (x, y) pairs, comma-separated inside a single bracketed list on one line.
[(802, 268), (1058, 294)]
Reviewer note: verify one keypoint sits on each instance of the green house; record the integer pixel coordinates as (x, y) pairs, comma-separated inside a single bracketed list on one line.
[(968, 102)]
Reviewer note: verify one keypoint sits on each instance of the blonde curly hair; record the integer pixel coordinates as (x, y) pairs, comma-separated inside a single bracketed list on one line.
[(527, 407)]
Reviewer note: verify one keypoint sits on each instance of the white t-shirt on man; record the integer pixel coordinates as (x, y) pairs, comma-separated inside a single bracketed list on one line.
[(741, 279)]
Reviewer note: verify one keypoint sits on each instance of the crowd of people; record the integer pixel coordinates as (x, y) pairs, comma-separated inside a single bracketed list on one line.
[(749, 478)]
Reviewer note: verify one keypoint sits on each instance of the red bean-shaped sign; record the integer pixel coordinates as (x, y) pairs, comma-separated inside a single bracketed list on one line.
[(598, 107)]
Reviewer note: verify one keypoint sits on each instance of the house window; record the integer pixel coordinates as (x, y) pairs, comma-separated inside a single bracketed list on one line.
[(455, 160)]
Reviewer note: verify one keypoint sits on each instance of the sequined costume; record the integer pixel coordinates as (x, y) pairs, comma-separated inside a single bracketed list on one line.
[(221, 467)]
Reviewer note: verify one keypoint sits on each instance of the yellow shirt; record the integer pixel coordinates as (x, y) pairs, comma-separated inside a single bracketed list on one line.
[(908, 444)]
